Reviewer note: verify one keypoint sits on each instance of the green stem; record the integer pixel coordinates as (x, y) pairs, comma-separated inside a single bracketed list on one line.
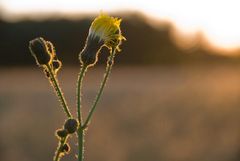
[(108, 70), (79, 93), (58, 152), (80, 144), (79, 113), (59, 91)]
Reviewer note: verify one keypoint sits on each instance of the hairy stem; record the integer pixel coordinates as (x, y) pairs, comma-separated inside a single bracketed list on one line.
[(107, 72), (79, 93), (80, 133), (79, 113), (59, 92), (58, 152)]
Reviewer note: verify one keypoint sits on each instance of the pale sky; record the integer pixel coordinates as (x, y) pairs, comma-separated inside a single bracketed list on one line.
[(218, 19)]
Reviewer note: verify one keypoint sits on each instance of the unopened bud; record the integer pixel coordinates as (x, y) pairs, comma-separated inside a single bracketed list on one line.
[(71, 126), (61, 133), (57, 64), (39, 50), (65, 148)]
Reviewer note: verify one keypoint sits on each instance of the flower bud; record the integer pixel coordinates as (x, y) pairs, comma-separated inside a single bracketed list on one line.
[(61, 133), (39, 50), (57, 64), (65, 148), (51, 48), (71, 125), (104, 31), (89, 55)]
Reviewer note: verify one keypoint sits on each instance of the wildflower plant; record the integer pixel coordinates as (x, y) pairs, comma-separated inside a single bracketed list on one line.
[(104, 32)]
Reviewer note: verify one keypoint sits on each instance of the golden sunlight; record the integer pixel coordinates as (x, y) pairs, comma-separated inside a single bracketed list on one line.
[(217, 19)]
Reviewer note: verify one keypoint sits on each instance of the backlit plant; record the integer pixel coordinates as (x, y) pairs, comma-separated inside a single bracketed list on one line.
[(104, 32)]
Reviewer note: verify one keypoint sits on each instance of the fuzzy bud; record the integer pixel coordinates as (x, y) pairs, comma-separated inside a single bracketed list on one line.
[(65, 148), (57, 64), (39, 50), (61, 133), (71, 126)]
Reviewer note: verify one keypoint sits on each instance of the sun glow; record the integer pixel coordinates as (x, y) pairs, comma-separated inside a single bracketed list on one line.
[(217, 19)]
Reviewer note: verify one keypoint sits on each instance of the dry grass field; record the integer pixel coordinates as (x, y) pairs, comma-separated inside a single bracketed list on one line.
[(164, 113)]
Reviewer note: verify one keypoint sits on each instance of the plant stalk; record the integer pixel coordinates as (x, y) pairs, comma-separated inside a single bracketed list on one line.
[(83, 126), (58, 152), (80, 131), (106, 75), (59, 92)]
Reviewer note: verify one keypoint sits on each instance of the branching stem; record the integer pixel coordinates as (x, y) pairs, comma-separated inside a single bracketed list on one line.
[(79, 86)]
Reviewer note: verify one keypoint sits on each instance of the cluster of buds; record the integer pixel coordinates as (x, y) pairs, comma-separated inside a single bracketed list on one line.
[(104, 31), (70, 127), (45, 55)]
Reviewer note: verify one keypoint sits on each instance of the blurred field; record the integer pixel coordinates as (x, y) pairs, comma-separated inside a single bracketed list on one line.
[(164, 113)]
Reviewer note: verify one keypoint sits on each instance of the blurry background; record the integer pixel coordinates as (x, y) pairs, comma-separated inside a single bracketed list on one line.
[(173, 94)]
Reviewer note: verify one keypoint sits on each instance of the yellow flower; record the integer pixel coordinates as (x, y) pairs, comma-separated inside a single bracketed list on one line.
[(104, 31), (107, 29)]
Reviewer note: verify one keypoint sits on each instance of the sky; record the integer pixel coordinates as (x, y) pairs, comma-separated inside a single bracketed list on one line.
[(217, 19)]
